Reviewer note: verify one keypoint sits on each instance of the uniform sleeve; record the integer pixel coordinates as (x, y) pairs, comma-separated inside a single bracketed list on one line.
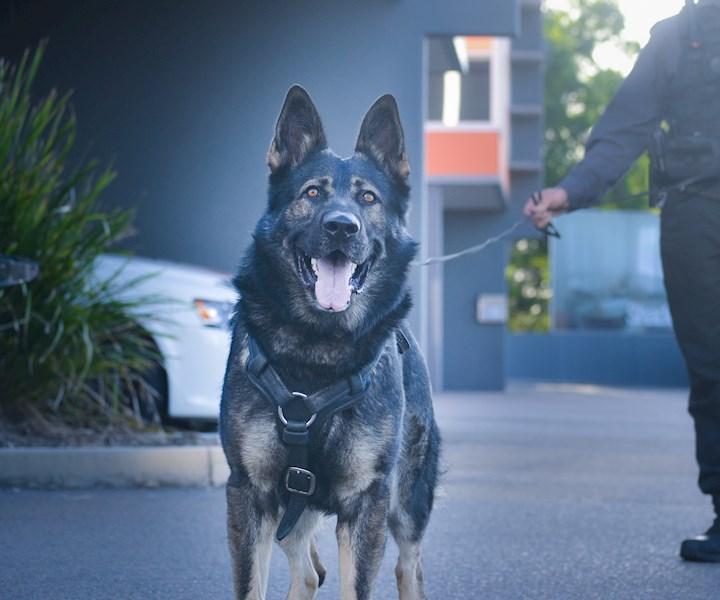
[(623, 132)]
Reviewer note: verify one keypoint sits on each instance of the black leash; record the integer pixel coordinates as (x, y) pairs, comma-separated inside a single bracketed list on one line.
[(300, 415), (550, 231), (472, 249)]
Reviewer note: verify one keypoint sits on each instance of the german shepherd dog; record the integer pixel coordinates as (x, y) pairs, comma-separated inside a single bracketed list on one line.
[(323, 294)]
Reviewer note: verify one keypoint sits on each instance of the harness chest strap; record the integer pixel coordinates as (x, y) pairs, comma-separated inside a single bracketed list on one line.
[(297, 413)]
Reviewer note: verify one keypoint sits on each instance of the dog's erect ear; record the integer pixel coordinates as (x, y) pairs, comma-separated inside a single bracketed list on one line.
[(298, 131), (381, 137)]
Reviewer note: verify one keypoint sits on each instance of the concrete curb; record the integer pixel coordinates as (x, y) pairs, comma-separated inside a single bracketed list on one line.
[(125, 466)]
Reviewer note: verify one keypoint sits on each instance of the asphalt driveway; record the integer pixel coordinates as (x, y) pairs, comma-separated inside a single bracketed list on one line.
[(549, 493)]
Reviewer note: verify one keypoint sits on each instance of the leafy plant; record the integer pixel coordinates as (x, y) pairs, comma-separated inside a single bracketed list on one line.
[(529, 286), (70, 347), (577, 90)]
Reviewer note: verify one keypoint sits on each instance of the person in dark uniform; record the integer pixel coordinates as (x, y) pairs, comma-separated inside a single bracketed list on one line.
[(670, 105)]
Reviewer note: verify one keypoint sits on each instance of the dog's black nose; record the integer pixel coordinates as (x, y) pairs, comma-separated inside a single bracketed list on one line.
[(341, 224)]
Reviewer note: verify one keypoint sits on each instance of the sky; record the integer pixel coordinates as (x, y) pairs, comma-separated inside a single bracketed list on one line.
[(640, 16)]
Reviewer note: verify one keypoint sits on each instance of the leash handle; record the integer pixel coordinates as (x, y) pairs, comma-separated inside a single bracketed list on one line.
[(549, 230)]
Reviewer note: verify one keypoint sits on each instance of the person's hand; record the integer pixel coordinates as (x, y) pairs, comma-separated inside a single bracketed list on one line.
[(553, 202)]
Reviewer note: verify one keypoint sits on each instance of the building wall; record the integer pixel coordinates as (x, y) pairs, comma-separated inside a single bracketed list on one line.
[(183, 96), (473, 357), (596, 357), (474, 354)]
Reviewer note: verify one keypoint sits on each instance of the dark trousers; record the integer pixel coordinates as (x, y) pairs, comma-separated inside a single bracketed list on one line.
[(690, 242)]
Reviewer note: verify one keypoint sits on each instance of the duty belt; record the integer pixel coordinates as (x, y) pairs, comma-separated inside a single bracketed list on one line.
[(301, 414)]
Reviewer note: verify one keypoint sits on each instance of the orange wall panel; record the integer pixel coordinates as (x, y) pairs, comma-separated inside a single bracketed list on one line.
[(477, 43), (462, 153)]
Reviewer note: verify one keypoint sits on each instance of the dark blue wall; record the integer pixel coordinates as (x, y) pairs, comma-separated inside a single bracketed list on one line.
[(605, 358), (184, 95), (473, 352)]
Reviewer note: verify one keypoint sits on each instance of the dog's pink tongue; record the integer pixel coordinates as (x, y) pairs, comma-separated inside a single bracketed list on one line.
[(332, 288)]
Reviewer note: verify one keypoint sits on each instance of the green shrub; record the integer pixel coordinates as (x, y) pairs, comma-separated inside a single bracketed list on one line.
[(69, 349), (527, 277)]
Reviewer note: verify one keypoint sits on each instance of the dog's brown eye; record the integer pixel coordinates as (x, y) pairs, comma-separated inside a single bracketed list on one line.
[(369, 197), (312, 192)]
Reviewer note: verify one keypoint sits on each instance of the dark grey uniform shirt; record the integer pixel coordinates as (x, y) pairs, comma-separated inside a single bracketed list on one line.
[(623, 132)]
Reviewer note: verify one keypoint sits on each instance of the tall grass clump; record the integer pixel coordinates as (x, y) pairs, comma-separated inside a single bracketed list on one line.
[(71, 351)]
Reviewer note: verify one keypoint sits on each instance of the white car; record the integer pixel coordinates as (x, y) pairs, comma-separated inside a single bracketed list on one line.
[(195, 343)]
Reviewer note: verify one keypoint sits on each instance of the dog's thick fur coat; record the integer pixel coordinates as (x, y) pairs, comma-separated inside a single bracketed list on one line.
[(376, 462)]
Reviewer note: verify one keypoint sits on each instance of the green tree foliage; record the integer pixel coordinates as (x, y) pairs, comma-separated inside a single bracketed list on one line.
[(70, 351), (577, 90), (530, 293)]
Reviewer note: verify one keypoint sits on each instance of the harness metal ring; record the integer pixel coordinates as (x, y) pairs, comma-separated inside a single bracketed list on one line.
[(281, 415)]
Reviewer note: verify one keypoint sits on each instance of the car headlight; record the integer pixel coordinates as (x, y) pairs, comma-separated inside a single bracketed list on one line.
[(214, 313)]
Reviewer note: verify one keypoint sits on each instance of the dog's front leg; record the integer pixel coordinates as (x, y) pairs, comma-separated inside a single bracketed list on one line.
[(361, 533), (250, 539), (305, 569)]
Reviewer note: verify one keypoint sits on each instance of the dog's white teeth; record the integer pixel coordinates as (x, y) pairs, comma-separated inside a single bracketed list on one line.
[(313, 262)]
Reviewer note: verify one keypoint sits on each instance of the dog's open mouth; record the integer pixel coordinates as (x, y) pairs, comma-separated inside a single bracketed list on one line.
[(334, 278)]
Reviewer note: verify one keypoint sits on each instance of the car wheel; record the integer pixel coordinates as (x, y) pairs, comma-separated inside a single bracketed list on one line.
[(157, 407), (153, 390)]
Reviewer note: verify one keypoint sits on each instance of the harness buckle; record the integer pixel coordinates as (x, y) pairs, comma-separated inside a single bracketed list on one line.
[(300, 481)]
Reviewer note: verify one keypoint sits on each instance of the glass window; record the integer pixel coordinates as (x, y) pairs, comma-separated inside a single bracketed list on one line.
[(456, 93), (606, 273)]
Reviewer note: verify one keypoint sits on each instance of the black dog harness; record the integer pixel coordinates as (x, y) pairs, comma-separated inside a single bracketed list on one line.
[(297, 413)]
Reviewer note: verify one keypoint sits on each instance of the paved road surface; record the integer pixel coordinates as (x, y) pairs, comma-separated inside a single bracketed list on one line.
[(552, 493)]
